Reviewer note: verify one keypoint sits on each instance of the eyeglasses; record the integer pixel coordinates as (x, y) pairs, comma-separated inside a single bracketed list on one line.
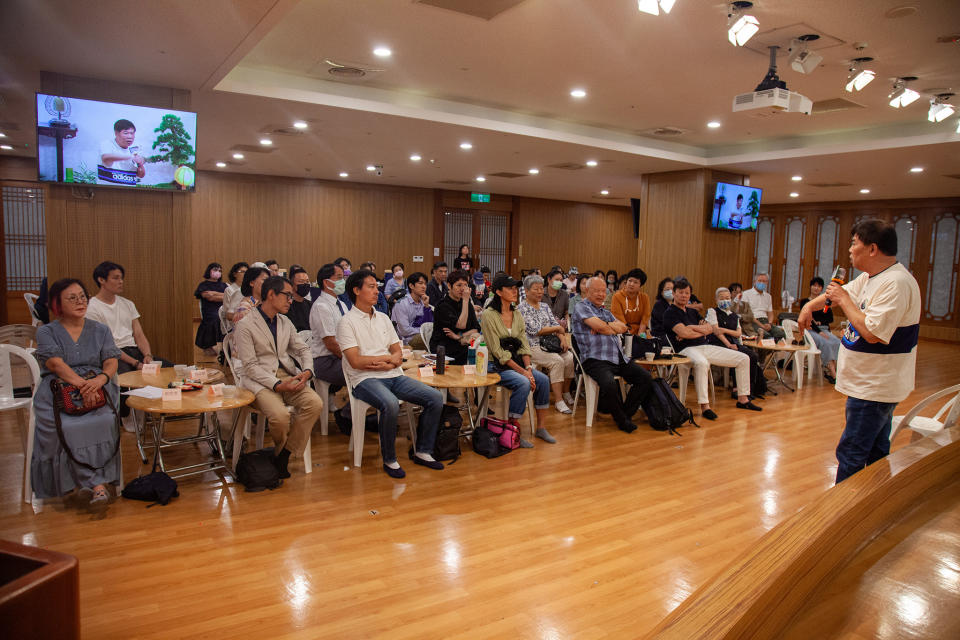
[(76, 299), (289, 295)]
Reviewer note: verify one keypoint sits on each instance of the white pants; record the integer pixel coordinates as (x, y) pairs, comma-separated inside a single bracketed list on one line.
[(703, 356), (558, 365)]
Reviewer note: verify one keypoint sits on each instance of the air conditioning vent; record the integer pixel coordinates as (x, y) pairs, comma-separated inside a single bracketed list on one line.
[(507, 174), (347, 72), (343, 70), (569, 166), (664, 132), (834, 104)]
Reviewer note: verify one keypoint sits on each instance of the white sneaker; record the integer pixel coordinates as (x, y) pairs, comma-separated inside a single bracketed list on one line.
[(128, 423), (567, 397), (562, 407)]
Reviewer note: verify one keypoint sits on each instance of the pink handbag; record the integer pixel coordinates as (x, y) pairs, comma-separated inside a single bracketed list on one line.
[(508, 434)]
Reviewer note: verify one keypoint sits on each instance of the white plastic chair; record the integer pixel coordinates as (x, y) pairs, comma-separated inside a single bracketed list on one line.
[(31, 299), (9, 403), (426, 332), (591, 390), (945, 418), (806, 357), (358, 417), (683, 377), (322, 387), (225, 324)]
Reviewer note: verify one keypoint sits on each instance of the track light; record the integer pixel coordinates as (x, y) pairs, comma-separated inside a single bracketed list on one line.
[(654, 7), (901, 95), (741, 27), (859, 77), (801, 59), (940, 109)]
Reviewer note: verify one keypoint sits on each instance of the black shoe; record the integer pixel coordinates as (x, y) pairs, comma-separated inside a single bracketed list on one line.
[(343, 423), (749, 406), (282, 460), (629, 427), (394, 473), (429, 464), (829, 378), (710, 415)]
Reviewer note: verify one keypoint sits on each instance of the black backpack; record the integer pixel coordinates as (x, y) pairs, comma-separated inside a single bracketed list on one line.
[(447, 446), (155, 487), (664, 410), (487, 443), (257, 470)]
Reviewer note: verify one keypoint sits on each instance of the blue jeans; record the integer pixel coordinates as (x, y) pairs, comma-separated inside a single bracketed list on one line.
[(866, 437), (383, 393), (519, 388)]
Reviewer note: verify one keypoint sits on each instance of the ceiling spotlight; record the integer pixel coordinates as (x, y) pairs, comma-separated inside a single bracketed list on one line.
[(654, 7), (299, 124), (266, 142), (916, 169), (344, 174), (6, 147), (797, 178), (713, 124), (901, 96), (466, 146), (370, 167), (238, 156), (940, 109), (382, 52), (578, 93), (221, 164), (864, 190), (591, 163), (794, 194), (859, 77), (481, 179), (604, 192), (415, 158), (801, 59), (3, 135), (533, 171), (740, 26)]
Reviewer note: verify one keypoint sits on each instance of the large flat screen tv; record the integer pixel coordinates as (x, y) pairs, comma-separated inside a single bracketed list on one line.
[(735, 207), (87, 142)]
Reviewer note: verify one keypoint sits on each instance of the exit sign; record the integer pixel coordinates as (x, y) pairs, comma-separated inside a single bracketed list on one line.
[(479, 197)]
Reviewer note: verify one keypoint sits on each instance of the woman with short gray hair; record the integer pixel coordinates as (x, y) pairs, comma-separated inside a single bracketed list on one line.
[(540, 322)]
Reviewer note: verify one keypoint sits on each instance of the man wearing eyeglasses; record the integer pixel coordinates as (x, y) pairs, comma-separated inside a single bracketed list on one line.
[(276, 366)]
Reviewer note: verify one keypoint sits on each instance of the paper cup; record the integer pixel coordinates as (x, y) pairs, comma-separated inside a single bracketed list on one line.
[(649, 356)]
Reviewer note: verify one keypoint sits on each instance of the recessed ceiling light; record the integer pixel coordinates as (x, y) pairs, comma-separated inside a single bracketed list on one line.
[(415, 158), (221, 164), (591, 163), (344, 174), (266, 142), (713, 124), (238, 156), (797, 178), (864, 190), (370, 167), (3, 135), (466, 146), (299, 124), (6, 147), (604, 192), (578, 93), (382, 52), (481, 179), (916, 169), (533, 171), (794, 194)]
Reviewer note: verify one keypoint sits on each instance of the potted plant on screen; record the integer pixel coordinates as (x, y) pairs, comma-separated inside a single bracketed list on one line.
[(173, 146)]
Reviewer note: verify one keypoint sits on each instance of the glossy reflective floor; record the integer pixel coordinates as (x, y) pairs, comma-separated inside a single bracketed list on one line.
[(598, 536)]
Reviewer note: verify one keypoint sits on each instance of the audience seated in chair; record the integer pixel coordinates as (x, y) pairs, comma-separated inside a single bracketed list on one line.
[(828, 343), (299, 312), (437, 287), (727, 333), (597, 334), (394, 283), (556, 297), (540, 321), (455, 321), (688, 333), (632, 306), (371, 362), (662, 302), (762, 306), (232, 295), (270, 353), (325, 315), (412, 311)]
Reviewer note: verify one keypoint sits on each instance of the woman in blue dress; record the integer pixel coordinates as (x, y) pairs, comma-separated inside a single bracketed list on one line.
[(70, 348), (210, 294)]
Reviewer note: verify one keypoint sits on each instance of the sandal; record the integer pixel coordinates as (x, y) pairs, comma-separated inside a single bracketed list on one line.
[(100, 496)]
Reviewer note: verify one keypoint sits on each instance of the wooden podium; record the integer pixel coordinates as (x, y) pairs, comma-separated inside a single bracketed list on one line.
[(39, 593)]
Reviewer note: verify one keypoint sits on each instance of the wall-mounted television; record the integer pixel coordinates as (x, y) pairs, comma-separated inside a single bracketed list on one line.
[(735, 207), (87, 142)]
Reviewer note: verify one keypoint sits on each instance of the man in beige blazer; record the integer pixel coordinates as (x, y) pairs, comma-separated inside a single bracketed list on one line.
[(271, 352)]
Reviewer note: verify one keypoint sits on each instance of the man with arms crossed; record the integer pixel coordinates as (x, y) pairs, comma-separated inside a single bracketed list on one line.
[(878, 353), (762, 304)]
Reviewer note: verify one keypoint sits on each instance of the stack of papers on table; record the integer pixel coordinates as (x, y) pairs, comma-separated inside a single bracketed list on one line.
[(151, 393)]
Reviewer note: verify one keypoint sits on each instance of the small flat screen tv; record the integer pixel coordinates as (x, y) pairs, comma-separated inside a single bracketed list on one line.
[(735, 207), (87, 142)]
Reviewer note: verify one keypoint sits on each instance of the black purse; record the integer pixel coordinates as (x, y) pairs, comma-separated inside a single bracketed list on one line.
[(513, 345), (551, 343), (156, 488)]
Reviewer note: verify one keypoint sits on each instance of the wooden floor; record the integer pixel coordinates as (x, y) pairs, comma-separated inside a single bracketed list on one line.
[(598, 536)]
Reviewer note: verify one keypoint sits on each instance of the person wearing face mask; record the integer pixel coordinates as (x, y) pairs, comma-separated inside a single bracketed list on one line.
[(557, 297), (413, 310), (346, 266), (762, 305), (727, 333), (661, 304), (396, 282), (210, 294), (324, 316), (299, 312)]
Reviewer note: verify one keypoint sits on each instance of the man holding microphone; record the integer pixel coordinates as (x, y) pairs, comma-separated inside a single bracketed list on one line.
[(878, 353)]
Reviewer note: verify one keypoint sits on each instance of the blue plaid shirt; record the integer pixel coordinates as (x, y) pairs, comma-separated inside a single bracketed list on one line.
[(595, 345)]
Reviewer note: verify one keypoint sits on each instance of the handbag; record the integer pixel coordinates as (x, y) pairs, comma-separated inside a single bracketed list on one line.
[(64, 396), (155, 487), (550, 343), (513, 346), (487, 443), (508, 434)]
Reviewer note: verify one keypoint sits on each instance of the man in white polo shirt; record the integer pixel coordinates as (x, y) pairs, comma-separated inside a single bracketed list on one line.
[(761, 303), (325, 315), (371, 363), (878, 356)]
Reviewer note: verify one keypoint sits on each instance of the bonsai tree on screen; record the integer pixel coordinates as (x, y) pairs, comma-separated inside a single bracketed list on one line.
[(173, 143), (753, 206)]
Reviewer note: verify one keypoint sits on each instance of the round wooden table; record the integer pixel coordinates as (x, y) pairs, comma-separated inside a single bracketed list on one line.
[(454, 378), (768, 352), (663, 364)]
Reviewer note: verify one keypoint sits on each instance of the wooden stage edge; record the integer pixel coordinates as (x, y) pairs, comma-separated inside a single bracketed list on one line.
[(761, 591)]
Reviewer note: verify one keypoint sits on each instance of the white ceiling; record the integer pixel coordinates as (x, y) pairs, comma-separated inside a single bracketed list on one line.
[(503, 84)]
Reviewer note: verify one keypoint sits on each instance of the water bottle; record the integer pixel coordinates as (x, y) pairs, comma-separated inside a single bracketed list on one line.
[(441, 359), (482, 359), (472, 352)]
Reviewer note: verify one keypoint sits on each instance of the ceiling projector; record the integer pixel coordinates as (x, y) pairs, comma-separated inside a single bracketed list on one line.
[(772, 94)]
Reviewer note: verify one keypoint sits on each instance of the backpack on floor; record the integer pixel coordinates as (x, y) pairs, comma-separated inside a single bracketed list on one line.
[(447, 446), (486, 442), (664, 410), (257, 470)]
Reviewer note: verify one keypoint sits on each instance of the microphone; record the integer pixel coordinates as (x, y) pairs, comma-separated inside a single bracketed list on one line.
[(840, 277)]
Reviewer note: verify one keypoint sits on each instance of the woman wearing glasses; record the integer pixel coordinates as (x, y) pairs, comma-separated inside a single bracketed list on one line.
[(80, 352)]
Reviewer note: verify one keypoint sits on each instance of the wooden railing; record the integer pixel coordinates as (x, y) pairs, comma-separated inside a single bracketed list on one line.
[(758, 593)]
